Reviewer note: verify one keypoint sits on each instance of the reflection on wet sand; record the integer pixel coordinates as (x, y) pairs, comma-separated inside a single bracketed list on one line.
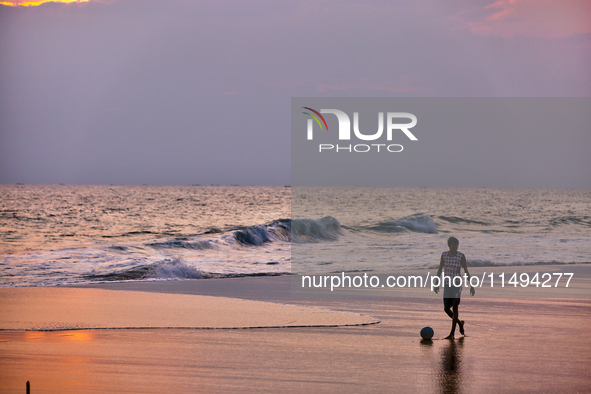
[(79, 336), (450, 373)]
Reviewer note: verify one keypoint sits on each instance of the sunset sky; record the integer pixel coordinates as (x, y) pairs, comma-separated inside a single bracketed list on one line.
[(199, 92)]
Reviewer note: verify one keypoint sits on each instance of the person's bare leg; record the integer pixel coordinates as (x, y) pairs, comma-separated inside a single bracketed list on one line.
[(449, 312), (454, 320)]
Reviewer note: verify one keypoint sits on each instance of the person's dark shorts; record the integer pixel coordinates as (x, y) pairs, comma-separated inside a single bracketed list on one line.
[(449, 302), (451, 293)]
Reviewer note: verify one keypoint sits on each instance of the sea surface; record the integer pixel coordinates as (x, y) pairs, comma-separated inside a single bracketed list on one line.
[(73, 234)]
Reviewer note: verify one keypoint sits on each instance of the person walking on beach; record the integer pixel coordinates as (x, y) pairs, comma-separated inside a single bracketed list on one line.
[(452, 261)]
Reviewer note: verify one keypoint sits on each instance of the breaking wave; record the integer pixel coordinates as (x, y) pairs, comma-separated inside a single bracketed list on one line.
[(167, 269), (418, 223), (290, 230), (309, 230), (282, 230), (277, 231)]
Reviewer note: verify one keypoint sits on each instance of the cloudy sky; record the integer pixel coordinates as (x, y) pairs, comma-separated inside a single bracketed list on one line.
[(199, 92)]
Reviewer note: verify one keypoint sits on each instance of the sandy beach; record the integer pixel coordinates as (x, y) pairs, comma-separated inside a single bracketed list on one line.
[(510, 345)]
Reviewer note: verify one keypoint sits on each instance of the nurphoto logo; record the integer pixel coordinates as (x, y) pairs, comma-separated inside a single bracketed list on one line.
[(393, 126)]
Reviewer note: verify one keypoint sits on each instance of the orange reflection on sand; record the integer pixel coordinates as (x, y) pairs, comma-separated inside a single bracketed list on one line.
[(36, 3), (82, 336)]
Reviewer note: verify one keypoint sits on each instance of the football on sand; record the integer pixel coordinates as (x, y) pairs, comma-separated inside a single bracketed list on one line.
[(427, 333)]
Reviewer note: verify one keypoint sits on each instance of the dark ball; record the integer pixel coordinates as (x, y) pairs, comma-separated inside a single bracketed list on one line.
[(427, 333)]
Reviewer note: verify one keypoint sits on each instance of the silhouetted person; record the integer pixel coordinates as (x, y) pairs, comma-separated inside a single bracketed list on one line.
[(452, 261)]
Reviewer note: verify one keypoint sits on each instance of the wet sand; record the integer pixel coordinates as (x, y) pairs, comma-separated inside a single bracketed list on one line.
[(510, 346), (58, 308)]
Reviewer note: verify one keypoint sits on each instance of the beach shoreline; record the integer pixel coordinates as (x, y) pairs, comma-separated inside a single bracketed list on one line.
[(511, 345)]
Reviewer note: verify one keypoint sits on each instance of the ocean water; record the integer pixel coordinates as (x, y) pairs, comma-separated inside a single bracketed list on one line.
[(62, 234), (384, 230)]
